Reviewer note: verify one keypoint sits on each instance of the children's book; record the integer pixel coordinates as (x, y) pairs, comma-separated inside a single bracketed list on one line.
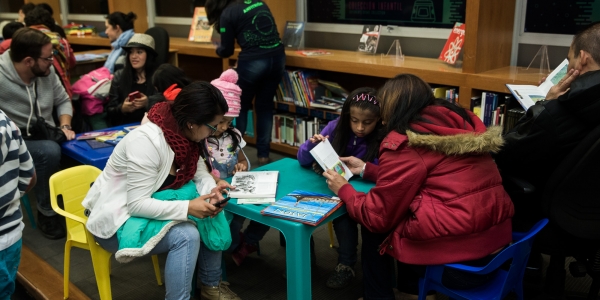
[(328, 159), (256, 184), (200, 31), (369, 39), (255, 200), (112, 139), (94, 134), (528, 95), (292, 36), (454, 44), (304, 207)]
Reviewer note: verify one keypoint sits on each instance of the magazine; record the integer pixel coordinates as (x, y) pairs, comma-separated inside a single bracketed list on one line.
[(454, 44), (94, 134), (528, 95), (369, 39), (256, 184), (304, 207), (328, 159), (200, 31), (292, 36)]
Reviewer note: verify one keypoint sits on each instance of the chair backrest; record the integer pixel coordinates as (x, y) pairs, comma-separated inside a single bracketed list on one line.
[(161, 42), (571, 197), (72, 185)]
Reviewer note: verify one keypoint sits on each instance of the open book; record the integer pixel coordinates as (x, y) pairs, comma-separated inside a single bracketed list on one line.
[(328, 159), (256, 184), (304, 207), (528, 95)]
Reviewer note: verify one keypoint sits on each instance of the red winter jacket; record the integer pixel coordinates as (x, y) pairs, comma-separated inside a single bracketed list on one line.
[(439, 194)]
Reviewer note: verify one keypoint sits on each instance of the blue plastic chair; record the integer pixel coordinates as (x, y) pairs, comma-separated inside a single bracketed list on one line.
[(503, 283), (27, 206)]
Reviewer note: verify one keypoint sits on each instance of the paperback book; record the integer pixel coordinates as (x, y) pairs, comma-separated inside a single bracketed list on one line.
[(200, 31), (454, 44), (328, 159), (369, 39), (528, 95), (304, 207), (256, 184), (94, 134), (292, 36)]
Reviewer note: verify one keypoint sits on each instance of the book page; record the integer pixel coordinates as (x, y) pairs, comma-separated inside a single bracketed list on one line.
[(328, 159), (258, 184), (555, 76), (527, 95), (255, 200)]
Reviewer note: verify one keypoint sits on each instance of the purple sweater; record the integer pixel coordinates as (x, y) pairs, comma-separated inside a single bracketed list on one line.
[(356, 147)]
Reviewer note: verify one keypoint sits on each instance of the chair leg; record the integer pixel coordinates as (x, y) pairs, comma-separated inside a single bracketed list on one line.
[(101, 263), (554, 283), (156, 269), (67, 269), (27, 206), (331, 238)]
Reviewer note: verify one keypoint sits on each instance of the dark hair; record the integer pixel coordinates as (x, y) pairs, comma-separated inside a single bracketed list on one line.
[(129, 75), (403, 98), (167, 75), (214, 9), (588, 40), (342, 132), (198, 103), (9, 29), (39, 16), (27, 42), (47, 7), (125, 21), (27, 7)]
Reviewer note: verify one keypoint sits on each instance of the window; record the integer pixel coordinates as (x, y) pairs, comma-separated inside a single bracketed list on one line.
[(88, 7), (11, 6), (177, 8)]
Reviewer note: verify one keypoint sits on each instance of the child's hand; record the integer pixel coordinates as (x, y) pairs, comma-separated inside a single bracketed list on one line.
[(318, 138), (354, 164), (317, 168), (240, 167)]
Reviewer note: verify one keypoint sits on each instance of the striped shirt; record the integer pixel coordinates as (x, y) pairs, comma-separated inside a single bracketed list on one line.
[(16, 171)]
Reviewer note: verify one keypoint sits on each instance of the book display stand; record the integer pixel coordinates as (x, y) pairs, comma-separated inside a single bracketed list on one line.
[(395, 52), (542, 55)]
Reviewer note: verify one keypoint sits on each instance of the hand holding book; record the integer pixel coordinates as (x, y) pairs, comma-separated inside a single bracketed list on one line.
[(334, 180), (354, 164), (563, 85)]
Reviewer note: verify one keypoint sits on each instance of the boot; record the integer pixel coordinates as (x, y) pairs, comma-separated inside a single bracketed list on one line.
[(52, 227), (221, 292), (244, 250), (341, 277)]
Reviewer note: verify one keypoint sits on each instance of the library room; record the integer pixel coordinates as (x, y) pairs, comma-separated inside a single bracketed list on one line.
[(208, 136)]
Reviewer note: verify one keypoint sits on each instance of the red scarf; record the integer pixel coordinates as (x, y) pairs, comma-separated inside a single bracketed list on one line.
[(187, 152)]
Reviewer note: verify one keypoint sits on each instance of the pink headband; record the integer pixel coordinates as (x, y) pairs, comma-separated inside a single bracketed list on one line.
[(365, 97)]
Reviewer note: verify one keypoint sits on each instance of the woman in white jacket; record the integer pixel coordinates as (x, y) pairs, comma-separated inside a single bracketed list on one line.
[(164, 154)]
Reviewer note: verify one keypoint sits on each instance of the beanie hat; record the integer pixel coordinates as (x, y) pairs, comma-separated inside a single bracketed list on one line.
[(230, 90), (141, 40)]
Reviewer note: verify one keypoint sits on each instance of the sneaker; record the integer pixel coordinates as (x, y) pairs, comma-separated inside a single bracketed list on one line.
[(244, 250), (341, 277), (221, 292), (52, 227)]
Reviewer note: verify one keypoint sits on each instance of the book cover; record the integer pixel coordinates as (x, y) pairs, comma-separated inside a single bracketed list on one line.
[(256, 184), (454, 44), (304, 207), (328, 159), (528, 95), (200, 31), (292, 36), (118, 135), (94, 134), (369, 39)]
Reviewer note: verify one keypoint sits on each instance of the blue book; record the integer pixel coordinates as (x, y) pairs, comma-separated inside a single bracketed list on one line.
[(304, 207)]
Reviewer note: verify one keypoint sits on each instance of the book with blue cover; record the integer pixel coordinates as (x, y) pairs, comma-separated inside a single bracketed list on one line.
[(304, 207)]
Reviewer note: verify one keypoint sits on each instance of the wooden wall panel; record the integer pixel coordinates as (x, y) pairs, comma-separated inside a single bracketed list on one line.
[(55, 4), (283, 11), (136, 6)]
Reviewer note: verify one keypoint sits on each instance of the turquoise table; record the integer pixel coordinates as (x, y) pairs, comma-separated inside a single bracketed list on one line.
[(297, 235)]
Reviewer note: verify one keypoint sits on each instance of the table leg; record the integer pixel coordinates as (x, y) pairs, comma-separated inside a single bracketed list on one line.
[(298, 263)]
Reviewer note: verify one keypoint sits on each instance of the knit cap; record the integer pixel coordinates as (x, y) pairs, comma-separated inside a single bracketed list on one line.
[(230, 90)]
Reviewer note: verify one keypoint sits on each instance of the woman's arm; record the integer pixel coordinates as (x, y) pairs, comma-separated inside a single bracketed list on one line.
[(227, 35), (114, 114)]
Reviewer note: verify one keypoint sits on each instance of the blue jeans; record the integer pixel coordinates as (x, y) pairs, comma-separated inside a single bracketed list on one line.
[(46, 159), (346, 231), (259, 78), (9, 264), (182, 245), (252, 235)]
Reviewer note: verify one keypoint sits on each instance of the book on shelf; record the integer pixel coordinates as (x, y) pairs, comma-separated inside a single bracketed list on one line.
[(94, 134), (200, 30), (304, 207), (317, 52), (334, 87), (528, 95), (454, 44), (256, 184), (328, 159), (369, 39), (292, 35), (325, 104)]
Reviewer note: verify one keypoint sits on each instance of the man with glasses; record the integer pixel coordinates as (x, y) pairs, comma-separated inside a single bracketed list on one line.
[(29, 87)]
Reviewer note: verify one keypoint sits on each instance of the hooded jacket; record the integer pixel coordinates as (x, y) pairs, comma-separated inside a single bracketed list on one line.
[(438, 192), (17, 98)]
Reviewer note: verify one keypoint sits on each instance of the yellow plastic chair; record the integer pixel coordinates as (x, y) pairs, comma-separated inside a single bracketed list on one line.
[(73, 184)]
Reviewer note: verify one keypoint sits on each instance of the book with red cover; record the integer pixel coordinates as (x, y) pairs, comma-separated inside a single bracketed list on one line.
[(304, 207), (454, 44)]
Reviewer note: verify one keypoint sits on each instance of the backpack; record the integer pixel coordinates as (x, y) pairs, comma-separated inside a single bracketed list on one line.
[(93, 89)]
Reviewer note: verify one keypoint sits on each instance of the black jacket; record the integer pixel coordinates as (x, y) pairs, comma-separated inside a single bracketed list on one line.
[(117, 95), (549, 131)]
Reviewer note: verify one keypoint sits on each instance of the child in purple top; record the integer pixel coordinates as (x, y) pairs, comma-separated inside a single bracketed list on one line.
[(354, 133)]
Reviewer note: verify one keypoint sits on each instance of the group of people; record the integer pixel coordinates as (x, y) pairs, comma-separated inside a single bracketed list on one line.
[(438, 195)]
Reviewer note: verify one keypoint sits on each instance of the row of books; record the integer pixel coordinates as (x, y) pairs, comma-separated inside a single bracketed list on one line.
[(294, 130), (494, 109), (304, 88), (447, 93)]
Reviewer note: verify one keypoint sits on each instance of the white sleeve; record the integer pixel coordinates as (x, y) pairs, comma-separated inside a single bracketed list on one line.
[(204, 181), (242, 143)]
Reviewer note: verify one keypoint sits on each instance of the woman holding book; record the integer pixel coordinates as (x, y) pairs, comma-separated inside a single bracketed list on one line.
[(163, 157), (437, 191), (260, 64)]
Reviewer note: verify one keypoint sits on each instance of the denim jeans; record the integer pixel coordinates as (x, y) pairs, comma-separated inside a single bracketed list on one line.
[(252, 235), (46, 159), (182, 245), (258, 79), (9, 264), (346, 231)]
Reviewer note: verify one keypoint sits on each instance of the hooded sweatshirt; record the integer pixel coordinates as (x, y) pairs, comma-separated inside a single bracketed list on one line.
[(17, 98)]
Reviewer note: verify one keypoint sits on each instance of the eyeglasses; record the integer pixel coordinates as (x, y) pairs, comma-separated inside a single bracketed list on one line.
[(49, 58), (212, 128)]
